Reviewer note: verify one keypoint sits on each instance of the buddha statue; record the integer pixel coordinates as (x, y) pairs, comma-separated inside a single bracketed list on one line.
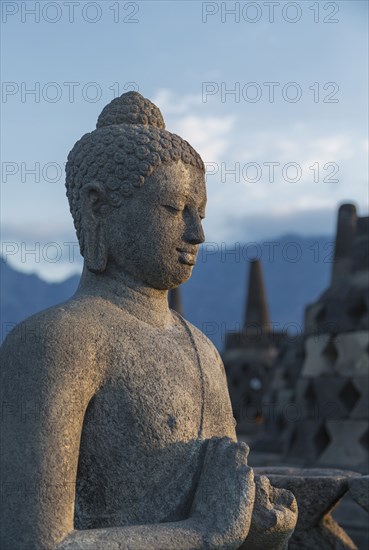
[(117, 427)]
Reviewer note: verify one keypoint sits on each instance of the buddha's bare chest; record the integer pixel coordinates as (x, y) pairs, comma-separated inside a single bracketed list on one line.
[(161, 387), (164, 394)]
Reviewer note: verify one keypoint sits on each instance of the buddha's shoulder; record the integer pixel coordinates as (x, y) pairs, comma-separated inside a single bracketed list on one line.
[(66, 326), (59, 347)]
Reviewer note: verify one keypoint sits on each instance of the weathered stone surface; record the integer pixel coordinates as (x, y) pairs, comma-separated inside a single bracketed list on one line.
[(332, 397), (359, 489), (329, 532), (280, 410), (345, 235), (349, 444), (353, 356), (249, 355), (343, 307), (117, 425), (274, 517), (330, 443), (248, 375), (345, 355), (317, 492), (360, 410), (354, 520)]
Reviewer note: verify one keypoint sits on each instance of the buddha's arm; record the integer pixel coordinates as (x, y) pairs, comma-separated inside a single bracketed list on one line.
[(44, 394), (183, 535), (217, 520)]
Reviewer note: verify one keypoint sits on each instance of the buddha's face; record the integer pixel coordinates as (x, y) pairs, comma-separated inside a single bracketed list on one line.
[(154, 236)]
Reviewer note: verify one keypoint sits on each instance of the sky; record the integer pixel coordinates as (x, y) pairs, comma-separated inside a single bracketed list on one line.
[(273, 95)]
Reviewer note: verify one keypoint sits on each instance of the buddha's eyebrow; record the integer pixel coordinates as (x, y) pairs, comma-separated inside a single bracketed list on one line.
[(169, 195)]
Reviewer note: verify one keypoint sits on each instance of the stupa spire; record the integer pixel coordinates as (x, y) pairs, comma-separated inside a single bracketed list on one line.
[(346, 229), (256, 310)]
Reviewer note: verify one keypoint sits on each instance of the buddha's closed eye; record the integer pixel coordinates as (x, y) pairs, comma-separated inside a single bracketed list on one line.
[(176, 209), (172, 208)]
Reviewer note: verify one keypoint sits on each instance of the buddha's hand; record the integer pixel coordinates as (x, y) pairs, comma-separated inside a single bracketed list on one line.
[(274, 517), (225, 495)]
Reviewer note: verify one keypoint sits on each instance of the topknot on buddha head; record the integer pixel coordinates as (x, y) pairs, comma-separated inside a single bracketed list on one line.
[(129, 143), (131, 108)]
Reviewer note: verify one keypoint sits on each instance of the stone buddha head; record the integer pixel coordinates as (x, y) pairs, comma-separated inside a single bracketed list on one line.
[(137, 195)]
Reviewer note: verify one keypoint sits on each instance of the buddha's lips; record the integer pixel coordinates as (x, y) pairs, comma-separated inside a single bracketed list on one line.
[(187, 257)]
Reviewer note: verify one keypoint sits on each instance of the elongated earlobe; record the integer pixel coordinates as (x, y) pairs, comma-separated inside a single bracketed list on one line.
[(95, 251)]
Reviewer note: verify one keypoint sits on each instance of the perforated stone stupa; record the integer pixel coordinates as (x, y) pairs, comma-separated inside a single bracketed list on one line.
[(332, 390), (249, 356)]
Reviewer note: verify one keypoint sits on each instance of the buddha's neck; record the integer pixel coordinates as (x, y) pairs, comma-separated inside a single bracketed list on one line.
[(137, 298)]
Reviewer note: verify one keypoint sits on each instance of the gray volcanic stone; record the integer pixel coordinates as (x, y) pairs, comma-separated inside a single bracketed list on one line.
[(359, 489), (249, 356), (272, 525), (317, 492), (117, 429), (344, 355), (343, 307)]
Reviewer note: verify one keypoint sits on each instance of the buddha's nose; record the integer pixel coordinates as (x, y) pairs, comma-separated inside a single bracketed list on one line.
[(194, 233)]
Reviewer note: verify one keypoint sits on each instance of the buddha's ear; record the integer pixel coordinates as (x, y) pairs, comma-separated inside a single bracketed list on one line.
[(95, 250)]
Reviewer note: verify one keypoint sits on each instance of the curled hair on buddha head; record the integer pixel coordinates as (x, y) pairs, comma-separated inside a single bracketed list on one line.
[(129, 142)]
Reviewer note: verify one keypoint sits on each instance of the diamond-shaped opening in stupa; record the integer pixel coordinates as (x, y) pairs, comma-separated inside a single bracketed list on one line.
[(349, 396), (310, 394), (364, 440), (357, 309), (321, 439), (330, 352)]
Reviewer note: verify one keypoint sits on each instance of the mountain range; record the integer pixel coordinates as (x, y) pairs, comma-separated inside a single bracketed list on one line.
[(296, 271)]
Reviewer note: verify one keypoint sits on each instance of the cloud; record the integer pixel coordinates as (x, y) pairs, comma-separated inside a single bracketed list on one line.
[(297, 143), (365, 145), (172, 104), (313, 174), (210, 135)]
